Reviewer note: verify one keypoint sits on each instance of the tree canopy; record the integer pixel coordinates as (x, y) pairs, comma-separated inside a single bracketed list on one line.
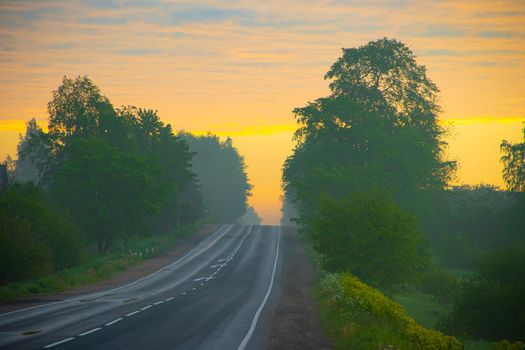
[(514, 164), (221, 173)]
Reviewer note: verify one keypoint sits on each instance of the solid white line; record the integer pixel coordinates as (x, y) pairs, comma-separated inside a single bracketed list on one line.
[(114, 321), (170, 298), (248, 336), (89, 332), (158, 302), (146, 307), (58, 342), (133, 313)]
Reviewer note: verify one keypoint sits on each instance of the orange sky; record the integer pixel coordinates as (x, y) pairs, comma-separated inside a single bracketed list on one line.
[(239, 67)]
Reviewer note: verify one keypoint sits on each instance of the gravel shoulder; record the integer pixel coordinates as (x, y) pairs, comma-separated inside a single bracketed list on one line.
[(296, 324)]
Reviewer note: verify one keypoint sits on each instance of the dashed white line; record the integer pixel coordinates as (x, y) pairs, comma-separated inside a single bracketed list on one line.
[(114, 321), (183, 293), (158, 302), (90, 331), (170, 298), (194, 288), (58, 342), (146, 307), (133, 313)]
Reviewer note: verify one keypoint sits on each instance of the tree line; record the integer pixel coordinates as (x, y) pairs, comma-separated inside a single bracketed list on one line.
[(369, 184), (100, 175)]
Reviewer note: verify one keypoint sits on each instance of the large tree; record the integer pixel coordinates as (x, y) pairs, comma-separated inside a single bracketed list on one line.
[(377, 130)]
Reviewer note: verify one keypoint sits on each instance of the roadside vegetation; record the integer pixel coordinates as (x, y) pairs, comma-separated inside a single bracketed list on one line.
[(368, 184), (99, 181)]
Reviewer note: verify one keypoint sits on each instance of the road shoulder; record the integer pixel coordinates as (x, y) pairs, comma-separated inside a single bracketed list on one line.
[(296, 322)]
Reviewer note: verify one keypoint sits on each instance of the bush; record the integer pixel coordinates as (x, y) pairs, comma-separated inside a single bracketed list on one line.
[(491, 305), (34, 239), (440, 284), (360, 317), (370, 237)]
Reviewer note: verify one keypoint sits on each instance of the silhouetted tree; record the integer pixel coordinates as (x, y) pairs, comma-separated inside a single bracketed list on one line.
[(514, 164), (221, 173)]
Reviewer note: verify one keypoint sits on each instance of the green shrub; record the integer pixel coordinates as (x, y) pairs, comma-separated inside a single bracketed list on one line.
[(491, 305), (368, 236), (440, 284), (360, 317)]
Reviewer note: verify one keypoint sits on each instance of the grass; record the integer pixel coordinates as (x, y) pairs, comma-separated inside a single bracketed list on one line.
[(425, 309), (96, 268)]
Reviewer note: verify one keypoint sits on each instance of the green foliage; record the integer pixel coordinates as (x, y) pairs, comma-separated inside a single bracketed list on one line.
[(377, 130), (489, 306), (440, 283), (221, 173), (108, 194), (118, 173), (514, 164), (360, 317), (370, 237), (34, 239)]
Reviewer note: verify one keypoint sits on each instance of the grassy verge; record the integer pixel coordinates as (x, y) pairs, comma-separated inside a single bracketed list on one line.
[(424, 308), (357, 317), (96, 267)]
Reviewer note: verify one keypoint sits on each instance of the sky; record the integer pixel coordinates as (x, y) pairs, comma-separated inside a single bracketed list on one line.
[(239, 68)]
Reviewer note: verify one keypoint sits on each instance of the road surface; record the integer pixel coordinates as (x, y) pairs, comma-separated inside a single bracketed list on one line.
[(220, 295)]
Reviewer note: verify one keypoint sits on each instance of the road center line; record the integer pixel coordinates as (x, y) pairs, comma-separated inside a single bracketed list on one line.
[(89, 332), (133, 313), (146, 307), (158, 302), (170, 298), (114, 321), (58, 342), (248, 336)]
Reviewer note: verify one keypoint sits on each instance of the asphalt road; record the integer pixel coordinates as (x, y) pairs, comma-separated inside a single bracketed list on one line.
[(220, 295)]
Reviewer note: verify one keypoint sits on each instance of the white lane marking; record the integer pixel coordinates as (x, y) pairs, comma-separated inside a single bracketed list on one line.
[(146, 307), (215, 266), (183, 293), (158, 302), (170, 298), (202, 284), (114, 321), (248, 336), (58, 342), (221, 260), (194, 288), (199, 279), (133, 313), (90, 331)]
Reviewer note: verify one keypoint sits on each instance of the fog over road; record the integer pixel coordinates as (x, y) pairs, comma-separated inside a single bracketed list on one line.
[(220, 295)]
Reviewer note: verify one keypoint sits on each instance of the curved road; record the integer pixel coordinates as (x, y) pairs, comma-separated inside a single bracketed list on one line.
[(220, 295)]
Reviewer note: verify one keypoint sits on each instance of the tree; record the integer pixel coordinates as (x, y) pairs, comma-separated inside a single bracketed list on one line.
[(33, 154), (514, 164), (109, 194), (377, 130), (370, 237), (221, 174)]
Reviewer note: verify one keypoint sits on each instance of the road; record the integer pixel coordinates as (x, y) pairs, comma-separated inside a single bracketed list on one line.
[(220, 295)]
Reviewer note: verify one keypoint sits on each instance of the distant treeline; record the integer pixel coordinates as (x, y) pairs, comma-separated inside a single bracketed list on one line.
[(101, 174), (368, 184)]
